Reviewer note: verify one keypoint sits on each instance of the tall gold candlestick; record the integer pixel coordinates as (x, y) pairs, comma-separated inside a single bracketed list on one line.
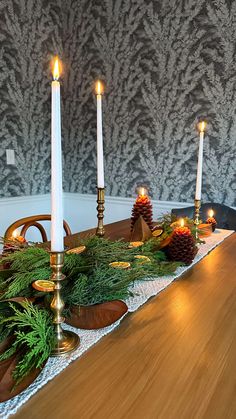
[(197, 203), (100, 210), (66, 341)]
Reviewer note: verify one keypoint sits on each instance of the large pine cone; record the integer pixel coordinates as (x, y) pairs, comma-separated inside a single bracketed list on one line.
[(142, 207), (213, 223), (182, 247)]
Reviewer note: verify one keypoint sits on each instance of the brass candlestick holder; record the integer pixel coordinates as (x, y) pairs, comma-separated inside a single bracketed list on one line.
[(100, 210), (197, 203), (66, 341)]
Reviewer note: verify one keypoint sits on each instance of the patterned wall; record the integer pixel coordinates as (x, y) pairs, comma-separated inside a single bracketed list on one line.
[(165, 63), (30, 32)]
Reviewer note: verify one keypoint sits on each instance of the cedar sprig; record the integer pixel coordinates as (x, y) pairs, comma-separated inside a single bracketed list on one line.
[(26, 267), (27, 259), (19, 284), (34, 336), (75, 264), (100, 250), (103, 284)]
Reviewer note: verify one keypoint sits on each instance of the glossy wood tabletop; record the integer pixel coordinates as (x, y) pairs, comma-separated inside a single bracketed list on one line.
[(113, 231), (173, 358)]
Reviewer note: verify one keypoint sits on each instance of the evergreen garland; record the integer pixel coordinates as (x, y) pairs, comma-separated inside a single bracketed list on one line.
[(89, 278)]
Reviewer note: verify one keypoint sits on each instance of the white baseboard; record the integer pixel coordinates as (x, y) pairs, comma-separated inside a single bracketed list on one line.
[(80, 209)]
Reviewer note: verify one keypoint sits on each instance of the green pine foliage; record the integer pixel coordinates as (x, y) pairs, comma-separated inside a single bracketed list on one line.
[(27, 259), (34, 336), (27, 266), (19, 284), (105, 283), (105, 251)]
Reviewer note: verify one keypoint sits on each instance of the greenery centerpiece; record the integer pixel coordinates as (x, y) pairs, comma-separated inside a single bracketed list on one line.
[(94, 279)]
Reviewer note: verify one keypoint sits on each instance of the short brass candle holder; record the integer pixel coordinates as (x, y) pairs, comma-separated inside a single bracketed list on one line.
[(66, 341), (100, 211), (197, 203)]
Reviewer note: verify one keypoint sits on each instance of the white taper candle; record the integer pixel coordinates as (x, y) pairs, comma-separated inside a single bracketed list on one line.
[(57, 244), (200, 163), (100, 162)]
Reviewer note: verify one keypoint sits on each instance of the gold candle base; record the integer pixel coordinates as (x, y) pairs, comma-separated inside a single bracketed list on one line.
[(197, 203), (100, 210), (66, 341)]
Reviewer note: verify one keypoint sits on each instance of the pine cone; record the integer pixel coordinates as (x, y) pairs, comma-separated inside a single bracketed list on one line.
[(212, 221), (142, 207), (182, 247)]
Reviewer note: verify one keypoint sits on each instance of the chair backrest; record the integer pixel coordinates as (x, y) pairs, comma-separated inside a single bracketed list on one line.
[(31, 221), (225, 216)]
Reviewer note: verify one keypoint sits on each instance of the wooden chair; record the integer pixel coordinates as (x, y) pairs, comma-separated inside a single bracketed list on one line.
[(225, 216), (33, 221)]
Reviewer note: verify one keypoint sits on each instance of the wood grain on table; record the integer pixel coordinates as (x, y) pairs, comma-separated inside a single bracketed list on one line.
[(173, 358)]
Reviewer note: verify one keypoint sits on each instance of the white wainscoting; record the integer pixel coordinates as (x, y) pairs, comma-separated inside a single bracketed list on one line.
[(79, 210), (12, 209)]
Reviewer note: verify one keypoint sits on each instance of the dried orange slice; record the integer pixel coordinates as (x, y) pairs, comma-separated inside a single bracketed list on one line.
[(157, 233), (135, 244), (142, 258), (76, 250), (204, 230), (43, 285), (120, 265)]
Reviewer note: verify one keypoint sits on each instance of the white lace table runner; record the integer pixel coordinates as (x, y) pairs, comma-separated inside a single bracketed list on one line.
[(143, 290)]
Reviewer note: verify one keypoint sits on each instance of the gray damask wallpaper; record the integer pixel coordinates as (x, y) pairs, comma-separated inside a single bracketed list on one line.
[(164, 62), (30, 32)]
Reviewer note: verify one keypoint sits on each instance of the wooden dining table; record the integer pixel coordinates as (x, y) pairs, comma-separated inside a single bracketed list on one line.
[(174, 358)]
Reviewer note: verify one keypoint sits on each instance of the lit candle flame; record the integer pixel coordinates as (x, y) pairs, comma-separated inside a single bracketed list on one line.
[(142, 191), (202, 126), (211, 213), (181, 222), (99, 88), (56, 72), (15, 234)]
